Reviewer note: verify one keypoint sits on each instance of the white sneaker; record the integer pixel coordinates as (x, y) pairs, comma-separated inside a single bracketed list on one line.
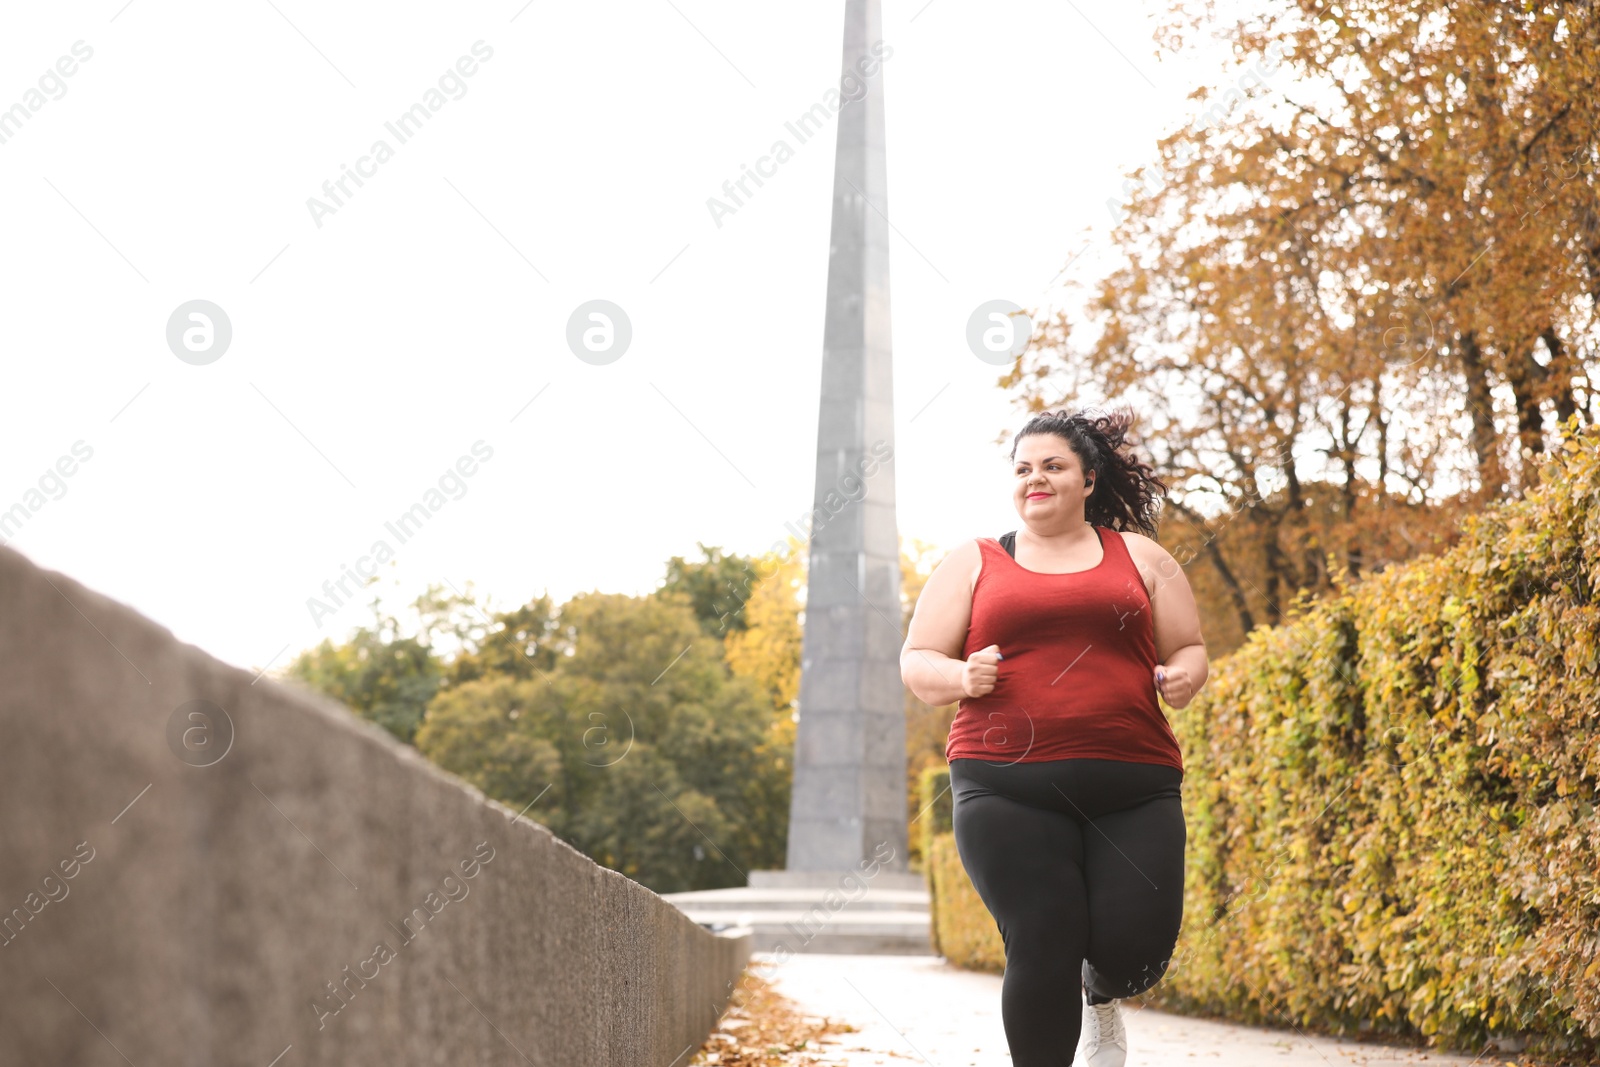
[(1105, 1043)]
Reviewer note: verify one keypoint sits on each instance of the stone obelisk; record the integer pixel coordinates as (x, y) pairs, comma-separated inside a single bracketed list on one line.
[(849, 801), (847, 815)]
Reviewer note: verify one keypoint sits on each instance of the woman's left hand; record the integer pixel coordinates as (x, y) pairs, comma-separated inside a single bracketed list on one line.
[(1175, 685)]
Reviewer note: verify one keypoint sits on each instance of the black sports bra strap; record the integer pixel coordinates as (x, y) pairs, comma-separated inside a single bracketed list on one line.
[(1009, 543)]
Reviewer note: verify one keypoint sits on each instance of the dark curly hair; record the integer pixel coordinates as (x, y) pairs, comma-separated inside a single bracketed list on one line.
[(1126, 490)]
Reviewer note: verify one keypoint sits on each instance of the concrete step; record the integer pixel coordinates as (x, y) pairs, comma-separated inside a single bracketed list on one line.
[(799, 919), (847, 880), (870, 933), (803, 921), (747, 898)]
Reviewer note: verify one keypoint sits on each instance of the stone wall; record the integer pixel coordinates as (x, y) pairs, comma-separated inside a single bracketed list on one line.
[(199, 867)]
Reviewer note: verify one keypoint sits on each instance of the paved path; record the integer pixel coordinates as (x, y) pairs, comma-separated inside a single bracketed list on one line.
[(921, 1010)]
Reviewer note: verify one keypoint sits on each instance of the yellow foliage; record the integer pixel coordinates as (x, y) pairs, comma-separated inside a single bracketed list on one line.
[(768, 650)]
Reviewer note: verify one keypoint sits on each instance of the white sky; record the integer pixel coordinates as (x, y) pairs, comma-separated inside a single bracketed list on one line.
[(369, 354)]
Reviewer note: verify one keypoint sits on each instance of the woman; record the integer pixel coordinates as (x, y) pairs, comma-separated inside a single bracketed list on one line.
[(1064, 771)]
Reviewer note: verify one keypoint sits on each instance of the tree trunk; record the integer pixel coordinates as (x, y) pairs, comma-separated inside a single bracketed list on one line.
[(1383, 439), (1213, 551), (1485, 445), (1277, 577), (1558, 376), (1241, 605), (1348, 495), (1524, 374)]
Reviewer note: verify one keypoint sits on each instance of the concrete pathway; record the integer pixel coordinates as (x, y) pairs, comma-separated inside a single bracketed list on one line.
[(921, 1010)]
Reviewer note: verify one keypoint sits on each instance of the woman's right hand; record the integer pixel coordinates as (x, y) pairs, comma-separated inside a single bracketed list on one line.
[(980, 671)]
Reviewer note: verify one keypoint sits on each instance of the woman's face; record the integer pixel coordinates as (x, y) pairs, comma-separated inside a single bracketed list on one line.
[(1049, 490)]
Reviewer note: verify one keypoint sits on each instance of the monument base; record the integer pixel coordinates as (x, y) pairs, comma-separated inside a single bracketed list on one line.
[(820, 911), (841, 880)]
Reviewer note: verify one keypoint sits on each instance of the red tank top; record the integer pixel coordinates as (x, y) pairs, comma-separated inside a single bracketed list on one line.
[(1077, 680)]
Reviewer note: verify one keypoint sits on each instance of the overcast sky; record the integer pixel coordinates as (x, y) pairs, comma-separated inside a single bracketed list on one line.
[(373, 345)]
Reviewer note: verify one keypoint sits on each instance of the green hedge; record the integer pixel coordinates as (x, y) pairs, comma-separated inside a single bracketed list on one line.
[(933, 815), (962, 929), (1391, 799), (934, 811)]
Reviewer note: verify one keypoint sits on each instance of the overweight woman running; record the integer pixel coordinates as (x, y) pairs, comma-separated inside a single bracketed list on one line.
[(1064, 772)]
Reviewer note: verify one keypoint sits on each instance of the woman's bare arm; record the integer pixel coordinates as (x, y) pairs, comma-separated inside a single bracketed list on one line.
[(1176, 622), (930, 661)]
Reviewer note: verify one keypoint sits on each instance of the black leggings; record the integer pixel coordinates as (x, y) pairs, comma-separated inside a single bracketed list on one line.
[(1080, 861)]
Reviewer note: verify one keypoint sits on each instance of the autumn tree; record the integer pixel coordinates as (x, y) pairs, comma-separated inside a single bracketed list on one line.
[(1356, 297), (523, 642), (767, 650), (637, 746), (381, 673), (716, 586)]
